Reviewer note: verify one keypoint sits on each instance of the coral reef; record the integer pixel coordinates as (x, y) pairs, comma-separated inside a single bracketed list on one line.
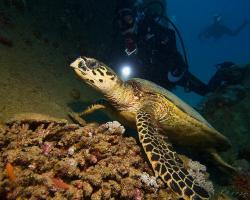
[(150, 181), (198, 171), (48, 158)]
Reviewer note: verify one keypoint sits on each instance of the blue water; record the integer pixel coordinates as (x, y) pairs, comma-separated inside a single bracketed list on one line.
[(191, 17)]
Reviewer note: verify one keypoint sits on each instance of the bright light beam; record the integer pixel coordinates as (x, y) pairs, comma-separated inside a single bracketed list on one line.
[(126, 71)]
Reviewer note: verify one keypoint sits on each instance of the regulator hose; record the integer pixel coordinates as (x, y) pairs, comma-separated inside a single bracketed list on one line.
[(180, 38)]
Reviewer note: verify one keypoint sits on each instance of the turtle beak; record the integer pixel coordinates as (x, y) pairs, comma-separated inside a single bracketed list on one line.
[(79, 64), (76, 64)]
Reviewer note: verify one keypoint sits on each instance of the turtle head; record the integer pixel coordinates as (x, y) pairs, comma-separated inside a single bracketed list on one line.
[(96, 74)]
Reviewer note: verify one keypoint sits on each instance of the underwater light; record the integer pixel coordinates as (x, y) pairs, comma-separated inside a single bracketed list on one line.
[(126, 71)]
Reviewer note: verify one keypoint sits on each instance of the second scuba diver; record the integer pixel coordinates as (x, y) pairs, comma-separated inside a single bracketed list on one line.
[(217, 29)]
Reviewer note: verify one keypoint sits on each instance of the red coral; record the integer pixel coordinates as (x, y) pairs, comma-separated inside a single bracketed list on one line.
[(59, 183), (47, 147), (10, 172), (138, 194), (241, 185)]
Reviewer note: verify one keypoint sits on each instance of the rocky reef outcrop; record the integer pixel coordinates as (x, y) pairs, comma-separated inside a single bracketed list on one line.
[(47, 158), (228, 110)]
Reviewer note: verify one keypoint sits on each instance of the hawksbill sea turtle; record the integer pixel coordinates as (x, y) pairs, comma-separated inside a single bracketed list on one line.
[(161, 118)]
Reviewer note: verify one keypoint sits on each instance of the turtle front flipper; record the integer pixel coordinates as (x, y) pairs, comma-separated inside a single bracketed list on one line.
[(100, 104), (164, 160)]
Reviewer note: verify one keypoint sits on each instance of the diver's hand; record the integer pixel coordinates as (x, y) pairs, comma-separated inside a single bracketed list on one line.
[(131, 47)]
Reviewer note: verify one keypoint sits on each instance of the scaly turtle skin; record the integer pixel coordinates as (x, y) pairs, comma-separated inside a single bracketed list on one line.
[(160, 118)]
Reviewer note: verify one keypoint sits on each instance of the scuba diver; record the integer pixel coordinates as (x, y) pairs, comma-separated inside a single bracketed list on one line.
[(218, 29), (152, 46)]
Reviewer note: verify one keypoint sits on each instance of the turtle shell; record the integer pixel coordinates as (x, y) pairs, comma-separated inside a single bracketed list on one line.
[(212, 138), (154, 88)]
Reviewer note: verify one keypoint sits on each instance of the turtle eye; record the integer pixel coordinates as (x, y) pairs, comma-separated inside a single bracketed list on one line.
[(93, 64), (80, 64)]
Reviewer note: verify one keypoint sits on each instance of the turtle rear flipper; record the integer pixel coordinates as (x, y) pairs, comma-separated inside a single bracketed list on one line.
[(224, 166), (164, 160)]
